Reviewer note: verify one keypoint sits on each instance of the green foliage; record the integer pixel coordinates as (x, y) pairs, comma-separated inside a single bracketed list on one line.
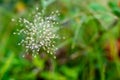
[(90, 50), (115, 8)]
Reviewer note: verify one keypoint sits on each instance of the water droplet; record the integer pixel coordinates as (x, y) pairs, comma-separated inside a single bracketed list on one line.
[(51, 53), (14, 33), (18, 43), (37, 8), (23, 55), (13, 19), (35, 56), (54, 57)]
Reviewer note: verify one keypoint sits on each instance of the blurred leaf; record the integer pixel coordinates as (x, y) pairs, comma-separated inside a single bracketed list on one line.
[(6, 65), (77, 30), (53, 76), (39, 63), (46, 3), (112, 4), (97, 7), (66, 42), (71, 73), (115, 8)]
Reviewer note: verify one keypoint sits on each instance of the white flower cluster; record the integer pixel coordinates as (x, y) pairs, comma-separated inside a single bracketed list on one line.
[(40, 33)]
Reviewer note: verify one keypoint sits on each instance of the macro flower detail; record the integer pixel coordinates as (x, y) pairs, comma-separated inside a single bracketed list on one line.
[(40, 33)]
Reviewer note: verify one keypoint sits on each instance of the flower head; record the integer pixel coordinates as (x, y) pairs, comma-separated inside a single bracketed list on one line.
[(40, 33)]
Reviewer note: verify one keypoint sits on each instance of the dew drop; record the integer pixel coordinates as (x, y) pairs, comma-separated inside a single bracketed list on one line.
[(14, 33), (54, 57), (23, 56), (35, 56), (18, 43), (51, 53), (13, 19), (37, 8)]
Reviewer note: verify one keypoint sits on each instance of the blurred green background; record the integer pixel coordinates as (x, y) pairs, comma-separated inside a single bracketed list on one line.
[(90, 50)]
